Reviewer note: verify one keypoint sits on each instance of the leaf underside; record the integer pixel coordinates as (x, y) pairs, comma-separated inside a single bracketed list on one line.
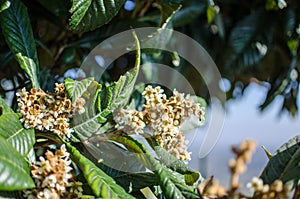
[(284, 164)]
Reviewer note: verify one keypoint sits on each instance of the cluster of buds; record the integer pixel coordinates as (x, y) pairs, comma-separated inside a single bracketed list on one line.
[(238, 165), (264, 191), (47, 111), (53, 177), (210, 188), (129, 120), (164, 118)]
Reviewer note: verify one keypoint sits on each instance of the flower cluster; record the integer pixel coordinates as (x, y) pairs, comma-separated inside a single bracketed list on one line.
[(164, 118), (130, 120), (274, 191), (210, 188), (238, 165), (47, 111), (53, 178)]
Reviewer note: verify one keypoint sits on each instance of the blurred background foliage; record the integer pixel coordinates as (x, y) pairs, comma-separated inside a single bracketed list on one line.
[(250, 41)]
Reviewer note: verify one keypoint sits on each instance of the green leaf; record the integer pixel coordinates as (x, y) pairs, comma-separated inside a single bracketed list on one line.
[(91, 120), (111, 153), (167, 13), (133, 180), (4, 5), (118, 94), (91, 14), (115, 96), (101, 184), (17, 31), (172, 162), (211, 13), (12, 130), (267, 152), (11, 195), (168, 179), (285, 163), (4, 107), (187, 14), (30, 67), (14, 170)]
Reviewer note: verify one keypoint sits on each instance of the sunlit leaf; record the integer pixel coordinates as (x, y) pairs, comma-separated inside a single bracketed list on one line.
[(14, 170), (12, 130), (91, 14), (18, 34)]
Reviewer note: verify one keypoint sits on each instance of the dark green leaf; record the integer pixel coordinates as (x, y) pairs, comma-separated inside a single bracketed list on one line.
[(170, 1), (187, 14), (119, 92), (17, 31), (172, 162), (11, 195), (168, 179), (244, 32), (14, 170), (167, 13), (101, 184), (285, 163), (133, 180), (91, 14), (110, 153), (276, 89)]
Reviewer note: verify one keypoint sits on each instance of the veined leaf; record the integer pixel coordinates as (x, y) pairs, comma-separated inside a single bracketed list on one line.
[(91, 120), (285, 163), (172, 162), (172, 187), (101, 184), (90, 14), (17, 31), (30, 67), (14, 170), (118, 94), (4, 107), (12, 130)]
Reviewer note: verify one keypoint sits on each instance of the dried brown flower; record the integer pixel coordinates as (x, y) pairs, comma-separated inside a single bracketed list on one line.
[(53, 177), (47, 111)]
